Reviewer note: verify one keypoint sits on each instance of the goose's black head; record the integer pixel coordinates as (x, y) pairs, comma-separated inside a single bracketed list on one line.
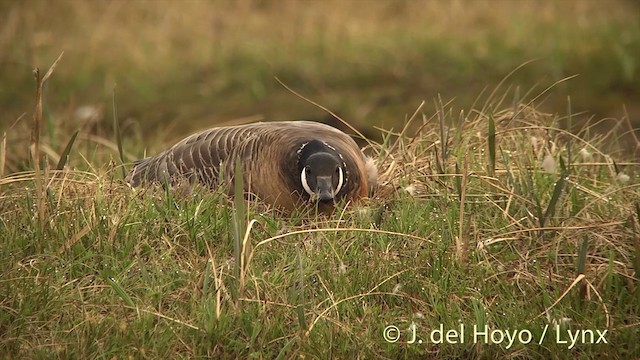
[(322, 172)]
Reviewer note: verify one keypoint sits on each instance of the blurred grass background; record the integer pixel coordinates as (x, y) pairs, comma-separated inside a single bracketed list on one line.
[(185, 65)]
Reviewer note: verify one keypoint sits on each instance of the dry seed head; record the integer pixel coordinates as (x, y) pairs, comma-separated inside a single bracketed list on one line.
[(622, 178), (585, 154), (549, 164)]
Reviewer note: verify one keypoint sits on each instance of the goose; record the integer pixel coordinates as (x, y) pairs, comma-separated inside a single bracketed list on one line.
[(284, 163)]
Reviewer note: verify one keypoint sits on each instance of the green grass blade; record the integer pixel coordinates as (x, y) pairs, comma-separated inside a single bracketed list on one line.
[(206, 281), (563, 166), (256, 330), (580, 267), (458, 181), (459, 127), (582, 256), (555, 197), (569, 128), (283, 352), (509, 172), (120, 291), (492, 146), (65, 153), (301, 298), (35, 141), (636, 241), (439, 165), (444, 135), (528, 182), (479, 312), (616, 167)]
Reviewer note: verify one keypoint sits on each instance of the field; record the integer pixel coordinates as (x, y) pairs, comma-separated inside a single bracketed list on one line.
[(506, 223)]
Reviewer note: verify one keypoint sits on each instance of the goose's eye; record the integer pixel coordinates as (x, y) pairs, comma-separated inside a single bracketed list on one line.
[(307, 171), (337, 170)]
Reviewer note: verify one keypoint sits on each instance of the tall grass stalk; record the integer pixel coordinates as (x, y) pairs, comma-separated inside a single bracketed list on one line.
[(462, 239), (41, 194), (217, 278), (636, 240), (239, 223), (581, 266), (35, 150), (444, 134), (491, 141), (3, 154), (118, 134)]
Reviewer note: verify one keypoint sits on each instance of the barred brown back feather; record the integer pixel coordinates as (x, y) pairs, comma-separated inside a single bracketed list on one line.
[(269, 156)]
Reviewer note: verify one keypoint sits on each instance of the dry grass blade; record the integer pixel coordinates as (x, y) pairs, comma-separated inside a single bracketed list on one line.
[(3, 154), (35, 140), (292, 233), (155, 313), (116, 130), (515, 104), (239, 219), (74, 239), (502, 81), (357, 296), (3, 146), (444, 133), (602, 303), (548, 88), (53, 66), (578, 278), (631, 131), (372, 291), (371, 144), (217, 278), (461, 240), (569, 129), (388, 150), (245, 253)]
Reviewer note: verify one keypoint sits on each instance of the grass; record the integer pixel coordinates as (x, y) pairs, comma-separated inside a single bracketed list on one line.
[(483, 217), (490, 212)]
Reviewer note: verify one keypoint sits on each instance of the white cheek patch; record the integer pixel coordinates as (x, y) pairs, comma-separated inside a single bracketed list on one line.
[(340, 181), (305, 185)]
